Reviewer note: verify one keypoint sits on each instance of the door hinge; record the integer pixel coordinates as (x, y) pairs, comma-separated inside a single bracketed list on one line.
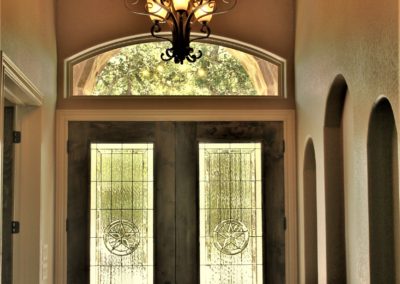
[(66, 225), (68, 146), (284, 223), (283, 146), (16, 137), (15, 227)]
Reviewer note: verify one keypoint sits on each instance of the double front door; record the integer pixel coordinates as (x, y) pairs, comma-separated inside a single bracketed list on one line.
[(176, 202)]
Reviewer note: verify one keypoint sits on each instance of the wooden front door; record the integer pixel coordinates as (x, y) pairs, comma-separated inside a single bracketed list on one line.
[(176, 202)]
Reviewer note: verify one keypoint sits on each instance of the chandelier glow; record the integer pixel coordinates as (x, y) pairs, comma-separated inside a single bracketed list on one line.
[(181, 16)]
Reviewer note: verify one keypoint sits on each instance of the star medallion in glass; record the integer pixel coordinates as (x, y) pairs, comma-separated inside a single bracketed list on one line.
[(231, 246), (121, 214)]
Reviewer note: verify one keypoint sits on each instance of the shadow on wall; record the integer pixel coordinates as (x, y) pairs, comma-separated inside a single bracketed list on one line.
[(382, 188), (334, 182), (310, 215)]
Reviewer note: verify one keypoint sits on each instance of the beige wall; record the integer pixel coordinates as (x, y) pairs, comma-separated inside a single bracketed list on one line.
[(355, 38), (28, 39), (268, 24), (358, 39)]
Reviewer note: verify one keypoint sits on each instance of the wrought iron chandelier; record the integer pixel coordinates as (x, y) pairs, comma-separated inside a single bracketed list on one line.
[(181, 17)]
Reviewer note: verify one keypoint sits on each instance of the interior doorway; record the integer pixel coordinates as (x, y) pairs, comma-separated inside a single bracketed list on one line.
[(176, 150)]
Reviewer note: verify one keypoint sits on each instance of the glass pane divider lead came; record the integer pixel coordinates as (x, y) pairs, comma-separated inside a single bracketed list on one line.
[(230, 235), (122, 246)]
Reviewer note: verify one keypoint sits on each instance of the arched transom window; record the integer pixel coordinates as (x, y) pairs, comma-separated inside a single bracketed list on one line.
[(137, 70)]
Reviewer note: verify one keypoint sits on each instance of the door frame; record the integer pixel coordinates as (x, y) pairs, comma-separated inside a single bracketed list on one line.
[(63, 117), (19, 90)]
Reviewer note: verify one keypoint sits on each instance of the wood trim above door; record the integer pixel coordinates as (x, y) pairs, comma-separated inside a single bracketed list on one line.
[(65, 116)]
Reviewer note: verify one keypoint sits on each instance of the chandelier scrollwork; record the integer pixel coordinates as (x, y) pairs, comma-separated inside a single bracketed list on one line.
[(180, 17)]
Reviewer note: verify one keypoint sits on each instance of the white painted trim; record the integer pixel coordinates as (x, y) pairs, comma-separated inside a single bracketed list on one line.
[(20, 90), (65, 116), (16, 87)]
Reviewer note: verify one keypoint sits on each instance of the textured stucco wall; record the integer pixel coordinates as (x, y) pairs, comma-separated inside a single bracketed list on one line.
[(358, 39), (268, 24), (28, 39)]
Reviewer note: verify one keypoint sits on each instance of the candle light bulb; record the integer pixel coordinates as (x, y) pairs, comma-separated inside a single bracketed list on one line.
[(180, 5)]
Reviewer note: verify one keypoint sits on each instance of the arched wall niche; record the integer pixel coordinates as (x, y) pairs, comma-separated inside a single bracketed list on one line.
[(383, 194), (334, 182), (310, 215)]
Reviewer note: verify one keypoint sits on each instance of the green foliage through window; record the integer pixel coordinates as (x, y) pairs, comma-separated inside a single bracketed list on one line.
[(138, 70)]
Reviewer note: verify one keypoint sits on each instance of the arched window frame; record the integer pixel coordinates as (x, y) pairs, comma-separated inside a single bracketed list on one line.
[(145, 38)]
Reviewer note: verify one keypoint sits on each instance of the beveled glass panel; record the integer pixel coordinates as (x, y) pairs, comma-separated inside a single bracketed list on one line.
[(121, 214), (231, 247)]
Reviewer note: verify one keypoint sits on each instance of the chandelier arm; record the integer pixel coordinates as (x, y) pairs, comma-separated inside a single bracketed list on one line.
[(171, 11), (129, 3), (163, 4), (197, 2), (175, 21), (190, 59), (148, 7), (197, 7), (149, 14), (166, 3), (188, 28), (204, 29), (193, 57), (166, 58), (232, 4), (170, 52), (170, 8), (201, 4), (180, 22), (200, 54), (191, 15), (157, 28), (145, 14)]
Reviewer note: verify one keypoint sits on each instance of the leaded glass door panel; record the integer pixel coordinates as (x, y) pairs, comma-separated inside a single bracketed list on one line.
[(111, 202), (121, 213), (241, 170), (231, 246), (175, 202)]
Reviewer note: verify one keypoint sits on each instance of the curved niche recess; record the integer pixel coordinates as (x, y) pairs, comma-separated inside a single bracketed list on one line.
[(310, 215), (334, 182), (383, 187)]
